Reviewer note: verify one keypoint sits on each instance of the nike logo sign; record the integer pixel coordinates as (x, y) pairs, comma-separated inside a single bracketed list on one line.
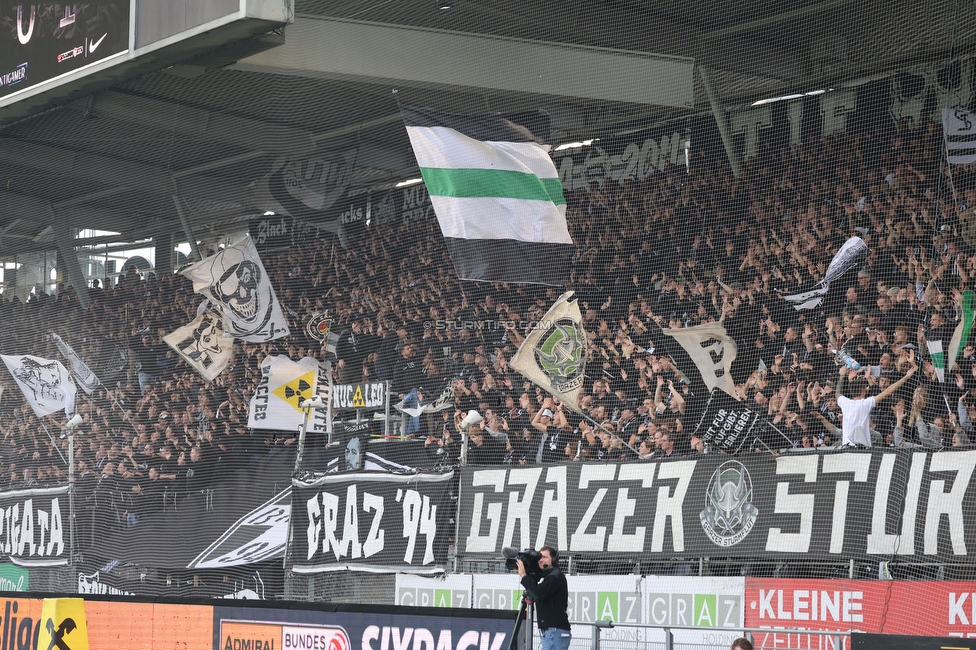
[(93, 45)]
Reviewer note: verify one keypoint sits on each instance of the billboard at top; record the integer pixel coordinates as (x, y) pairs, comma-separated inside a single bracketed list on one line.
[(41, 41)]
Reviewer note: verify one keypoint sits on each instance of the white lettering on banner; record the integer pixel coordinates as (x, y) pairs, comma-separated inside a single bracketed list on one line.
[(28, 532), (323, 521), (553, 507), (268, 229), (518, 509), (799, 504), (377, 638), (902, 543), (859, 465), (419, 516), (948, 503), (358, 396), (582, 540), (837, 606), (619, 541), (476, 542), (636, 162), (701, 610), (669, 507)]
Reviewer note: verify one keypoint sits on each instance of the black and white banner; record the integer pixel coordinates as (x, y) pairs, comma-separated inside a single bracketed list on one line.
[(854, 504), (368, 522), (727, 424), (359, 396), (34, 528)]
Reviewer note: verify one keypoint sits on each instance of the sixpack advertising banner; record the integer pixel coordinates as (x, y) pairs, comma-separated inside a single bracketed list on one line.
[(868, 505), (42, 41), (264, 629), (372, 522), (34, 526)]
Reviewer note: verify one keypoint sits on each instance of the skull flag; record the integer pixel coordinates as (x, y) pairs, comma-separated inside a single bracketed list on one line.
[(202, 345), (235, 280)]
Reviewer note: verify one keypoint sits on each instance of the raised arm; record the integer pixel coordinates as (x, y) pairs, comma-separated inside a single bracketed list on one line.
[(895, 386)]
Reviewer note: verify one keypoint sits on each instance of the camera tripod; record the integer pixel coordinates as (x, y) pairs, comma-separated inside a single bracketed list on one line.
[(523, 623)]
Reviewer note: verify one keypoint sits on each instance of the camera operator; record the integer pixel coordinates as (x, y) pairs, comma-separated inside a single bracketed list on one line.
[(549, 590)]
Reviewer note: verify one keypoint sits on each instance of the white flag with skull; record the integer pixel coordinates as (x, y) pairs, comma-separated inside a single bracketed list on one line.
[(202, 345), (235, 280)]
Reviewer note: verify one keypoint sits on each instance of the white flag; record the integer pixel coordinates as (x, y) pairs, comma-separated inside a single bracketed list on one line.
[(712, 350), (236, 280), (553, 355), (284, 384), (46, 384), (959, 128), (202, 345), (84, 375)]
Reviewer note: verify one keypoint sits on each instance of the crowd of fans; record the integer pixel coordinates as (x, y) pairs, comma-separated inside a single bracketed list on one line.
[(679, 249)]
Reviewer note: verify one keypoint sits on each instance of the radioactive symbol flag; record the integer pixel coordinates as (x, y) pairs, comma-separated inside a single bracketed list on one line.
[(283, 386), (297, 389)]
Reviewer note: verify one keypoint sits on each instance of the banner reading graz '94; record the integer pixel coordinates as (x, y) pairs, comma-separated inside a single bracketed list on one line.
[(34, 526), (373, 522), (866, 504)]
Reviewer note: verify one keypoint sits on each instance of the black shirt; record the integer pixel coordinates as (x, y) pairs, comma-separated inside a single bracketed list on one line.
[(551, 595)]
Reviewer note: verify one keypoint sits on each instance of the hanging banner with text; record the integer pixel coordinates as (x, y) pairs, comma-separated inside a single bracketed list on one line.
[(34, 527), (871, 505), (372, 522)]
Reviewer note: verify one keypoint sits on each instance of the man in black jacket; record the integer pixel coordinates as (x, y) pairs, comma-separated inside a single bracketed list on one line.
[(551, 595)]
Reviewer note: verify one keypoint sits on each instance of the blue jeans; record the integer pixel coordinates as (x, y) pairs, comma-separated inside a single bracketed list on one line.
[(412, 424), (556, 639)]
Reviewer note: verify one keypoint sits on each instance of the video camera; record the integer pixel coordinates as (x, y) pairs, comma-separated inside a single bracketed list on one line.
[(530, 558)]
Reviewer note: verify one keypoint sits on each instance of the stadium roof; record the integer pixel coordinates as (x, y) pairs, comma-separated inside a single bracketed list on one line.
[(193, 137)]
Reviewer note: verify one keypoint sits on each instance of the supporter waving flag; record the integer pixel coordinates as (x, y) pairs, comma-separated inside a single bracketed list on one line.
[(497, 196), (284, 385), (945, 358), (712, 351), (553, 355), (236, 280), (46, 384), (84, 375), (959, 129), (202, 344), (848, 256)]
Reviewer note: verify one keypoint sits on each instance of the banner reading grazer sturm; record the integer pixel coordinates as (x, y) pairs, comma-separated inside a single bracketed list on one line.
[(34, 527), (382, 523), (846, 504)]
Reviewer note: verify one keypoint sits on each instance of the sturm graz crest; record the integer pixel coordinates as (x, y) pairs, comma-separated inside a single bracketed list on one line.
[(562, 354), (729, 514), (318, 326)]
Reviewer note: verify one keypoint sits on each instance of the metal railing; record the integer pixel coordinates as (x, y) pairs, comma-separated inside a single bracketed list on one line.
[(596, 638)]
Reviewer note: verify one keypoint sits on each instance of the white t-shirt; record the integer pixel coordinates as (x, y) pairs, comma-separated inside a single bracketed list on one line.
[(857, 420)]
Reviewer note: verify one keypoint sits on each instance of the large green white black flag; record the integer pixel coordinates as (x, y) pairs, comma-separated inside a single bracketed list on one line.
[(497, 196)]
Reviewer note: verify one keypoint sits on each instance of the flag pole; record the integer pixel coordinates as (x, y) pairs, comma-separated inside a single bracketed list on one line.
[(51, 438)]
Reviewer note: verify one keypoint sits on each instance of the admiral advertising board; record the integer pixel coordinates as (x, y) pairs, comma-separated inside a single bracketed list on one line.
[(281, 629), (42, 41), (832, 505)]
